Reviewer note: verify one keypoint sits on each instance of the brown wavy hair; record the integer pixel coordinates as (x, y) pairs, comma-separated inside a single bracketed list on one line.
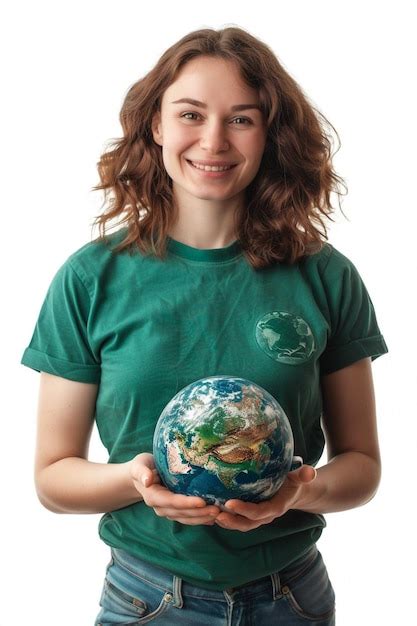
[(290, 196)]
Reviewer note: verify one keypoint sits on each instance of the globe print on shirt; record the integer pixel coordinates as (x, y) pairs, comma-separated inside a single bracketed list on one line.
[(224, 437), (285, 337)]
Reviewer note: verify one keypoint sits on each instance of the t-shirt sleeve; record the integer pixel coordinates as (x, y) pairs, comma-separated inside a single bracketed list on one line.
[(60, 344), (354, 331)]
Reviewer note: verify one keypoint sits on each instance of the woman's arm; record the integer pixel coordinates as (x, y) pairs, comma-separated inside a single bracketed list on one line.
[(66, 482), (352, 474)]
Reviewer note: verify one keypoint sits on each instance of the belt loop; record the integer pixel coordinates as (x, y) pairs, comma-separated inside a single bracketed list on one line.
[(276, 586), (176, 590)]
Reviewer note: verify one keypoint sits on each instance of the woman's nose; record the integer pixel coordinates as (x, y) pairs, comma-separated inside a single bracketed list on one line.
[(213, 138)]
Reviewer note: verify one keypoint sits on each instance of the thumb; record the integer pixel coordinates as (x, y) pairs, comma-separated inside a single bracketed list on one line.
[(143, 466), (304, 474), (146, 477)]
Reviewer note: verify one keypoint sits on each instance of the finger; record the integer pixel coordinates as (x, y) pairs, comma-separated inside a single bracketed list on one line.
[(236, 522), (143, 460), (160, 496), (143, 469), (155, 477), (187, 513), (150, 477), (146, 458), (194, 521), (304, 474), (251, 510)]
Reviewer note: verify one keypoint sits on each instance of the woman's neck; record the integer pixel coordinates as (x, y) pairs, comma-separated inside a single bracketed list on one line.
[(205, 226)]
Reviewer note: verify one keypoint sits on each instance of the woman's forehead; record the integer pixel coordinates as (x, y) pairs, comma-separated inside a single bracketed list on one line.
[(206, 78)]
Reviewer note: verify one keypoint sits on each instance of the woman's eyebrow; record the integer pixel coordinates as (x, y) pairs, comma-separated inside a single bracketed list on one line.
[(197, 103)]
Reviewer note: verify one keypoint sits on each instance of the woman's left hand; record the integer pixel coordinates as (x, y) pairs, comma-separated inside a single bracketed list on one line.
[(246, 516)]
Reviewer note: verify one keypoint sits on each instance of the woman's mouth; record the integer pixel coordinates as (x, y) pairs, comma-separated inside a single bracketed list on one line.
[(213, 170)]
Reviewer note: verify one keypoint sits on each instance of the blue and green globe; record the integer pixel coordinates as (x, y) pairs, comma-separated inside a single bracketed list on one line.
[(224, 437)]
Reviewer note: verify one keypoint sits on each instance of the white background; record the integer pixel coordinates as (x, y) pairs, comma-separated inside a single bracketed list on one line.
[(67, 67)]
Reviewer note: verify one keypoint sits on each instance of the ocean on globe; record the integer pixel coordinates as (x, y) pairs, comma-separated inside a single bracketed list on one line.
[(224, 437)]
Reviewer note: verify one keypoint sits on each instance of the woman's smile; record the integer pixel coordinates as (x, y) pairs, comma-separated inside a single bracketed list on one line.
[(211, 171)]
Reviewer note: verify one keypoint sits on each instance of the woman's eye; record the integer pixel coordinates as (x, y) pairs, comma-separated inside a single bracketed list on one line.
[(185, 114), (241, 120), (245, 119)]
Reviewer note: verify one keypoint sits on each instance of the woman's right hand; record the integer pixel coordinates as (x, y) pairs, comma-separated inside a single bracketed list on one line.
[(190, 510)]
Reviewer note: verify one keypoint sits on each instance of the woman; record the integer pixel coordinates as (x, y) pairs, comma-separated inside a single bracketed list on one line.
[(220, 183)]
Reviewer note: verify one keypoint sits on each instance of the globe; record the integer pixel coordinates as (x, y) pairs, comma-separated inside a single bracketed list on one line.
[(224, 437)]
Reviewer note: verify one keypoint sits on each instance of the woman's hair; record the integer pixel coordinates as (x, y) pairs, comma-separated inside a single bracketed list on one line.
[(290, 195)]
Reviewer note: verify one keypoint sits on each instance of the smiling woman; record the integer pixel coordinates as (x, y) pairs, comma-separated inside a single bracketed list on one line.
[(184, 111), (210, 159), (221, 181)]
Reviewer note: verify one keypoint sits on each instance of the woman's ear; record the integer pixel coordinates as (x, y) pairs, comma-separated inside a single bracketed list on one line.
[(157, 128)]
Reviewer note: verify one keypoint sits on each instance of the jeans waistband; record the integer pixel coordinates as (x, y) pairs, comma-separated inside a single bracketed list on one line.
[(165, 580)]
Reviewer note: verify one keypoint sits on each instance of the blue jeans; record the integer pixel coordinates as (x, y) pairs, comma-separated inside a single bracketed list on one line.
[(135, 592)]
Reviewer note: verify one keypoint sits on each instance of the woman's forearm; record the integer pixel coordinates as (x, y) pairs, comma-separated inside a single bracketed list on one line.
[(349, 480), (75, 485)]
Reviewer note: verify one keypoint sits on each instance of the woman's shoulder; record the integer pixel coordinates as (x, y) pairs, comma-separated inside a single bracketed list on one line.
[(330, 270), (95, 260), (328, 259), (97, 254), (97, 248)]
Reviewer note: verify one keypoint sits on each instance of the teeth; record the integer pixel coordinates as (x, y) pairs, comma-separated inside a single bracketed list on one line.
[(211, 168)]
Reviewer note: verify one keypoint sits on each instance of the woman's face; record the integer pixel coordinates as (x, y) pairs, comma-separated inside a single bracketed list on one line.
[(221, 126)]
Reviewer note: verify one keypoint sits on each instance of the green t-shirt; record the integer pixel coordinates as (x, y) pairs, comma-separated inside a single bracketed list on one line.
[(144, 328)]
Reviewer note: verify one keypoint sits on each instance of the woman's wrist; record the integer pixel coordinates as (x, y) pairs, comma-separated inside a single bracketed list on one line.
[(312, 495), (349, 480), (76, 485)]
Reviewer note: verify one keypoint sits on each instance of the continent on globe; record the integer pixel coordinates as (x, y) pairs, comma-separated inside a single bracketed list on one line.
[(224, 437)]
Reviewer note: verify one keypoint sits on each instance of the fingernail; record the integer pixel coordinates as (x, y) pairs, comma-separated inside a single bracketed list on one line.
[(145, 480)]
